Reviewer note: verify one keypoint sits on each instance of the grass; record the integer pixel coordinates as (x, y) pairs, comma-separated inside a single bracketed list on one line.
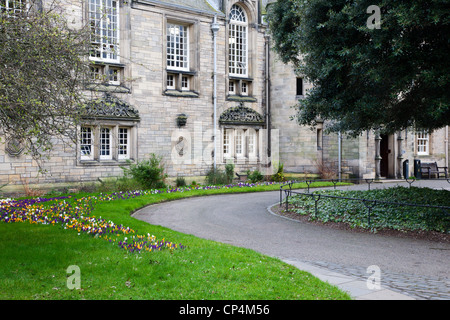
[(34, 259)]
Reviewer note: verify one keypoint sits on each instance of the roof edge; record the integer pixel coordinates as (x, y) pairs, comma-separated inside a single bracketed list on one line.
[(176, 6)]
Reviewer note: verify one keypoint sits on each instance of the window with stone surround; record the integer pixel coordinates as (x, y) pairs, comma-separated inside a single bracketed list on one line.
[(240, 128), (177, 47), (124, 143), (103, 17), (240, 144), (227, 143), (106, 142), (239, 80), (110, 74), (299, 86), (231, 87), (108, 133), (185, 82), (170, 82), (87, 143), (423, 142), (104, 22), (180, 62), (238, 42), (12, 7)]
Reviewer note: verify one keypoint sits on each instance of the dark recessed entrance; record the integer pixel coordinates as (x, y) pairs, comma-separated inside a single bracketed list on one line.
[(384, 153)]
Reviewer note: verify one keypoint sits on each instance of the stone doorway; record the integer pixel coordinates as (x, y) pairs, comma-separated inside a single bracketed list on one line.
[(384, 153)]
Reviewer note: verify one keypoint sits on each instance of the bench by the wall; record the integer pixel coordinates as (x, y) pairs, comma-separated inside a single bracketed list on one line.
[(431, 168)]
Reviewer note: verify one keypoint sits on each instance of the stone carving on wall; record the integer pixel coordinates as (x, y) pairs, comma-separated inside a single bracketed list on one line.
[(179, 146), (241, 115), (14, 146), (110, 107)]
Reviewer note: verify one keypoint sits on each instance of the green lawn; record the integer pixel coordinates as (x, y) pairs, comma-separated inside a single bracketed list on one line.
[(34, 259)]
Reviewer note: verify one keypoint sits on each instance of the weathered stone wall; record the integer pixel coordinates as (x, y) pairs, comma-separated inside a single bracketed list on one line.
[(142, 52), (142, 48)]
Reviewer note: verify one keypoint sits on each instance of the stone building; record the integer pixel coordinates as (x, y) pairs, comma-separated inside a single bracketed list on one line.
[(195, 81)]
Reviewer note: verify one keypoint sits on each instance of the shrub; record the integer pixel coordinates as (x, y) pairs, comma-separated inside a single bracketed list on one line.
[(180, 182), (148, 173), (279, 175), (255, 176), (216, 176), (388, 213), (229, 172)]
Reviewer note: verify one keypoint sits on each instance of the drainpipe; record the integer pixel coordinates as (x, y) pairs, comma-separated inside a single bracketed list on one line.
[(446, 146), (268, 122), (215, 29), (339, 155)]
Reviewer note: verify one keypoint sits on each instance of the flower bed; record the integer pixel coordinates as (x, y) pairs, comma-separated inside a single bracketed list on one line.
[(75, 214)]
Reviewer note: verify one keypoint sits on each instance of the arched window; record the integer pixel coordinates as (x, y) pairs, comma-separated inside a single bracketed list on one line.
[(238, 42)]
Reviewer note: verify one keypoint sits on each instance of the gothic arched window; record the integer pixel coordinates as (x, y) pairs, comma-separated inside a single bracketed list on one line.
[(238, 42)]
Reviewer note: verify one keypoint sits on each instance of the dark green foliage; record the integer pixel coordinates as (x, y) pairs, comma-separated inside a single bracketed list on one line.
[(180, 182), (229, 172), (218, 176), (215, 177), (383, 215), (150, 174), (255, 176), (279, 175), (363, 78)]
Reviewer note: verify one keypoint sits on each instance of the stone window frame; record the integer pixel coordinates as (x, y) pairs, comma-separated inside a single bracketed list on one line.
[(101, 74), (177, 41), (106, 143), (115, 157), (238, 49), (170, 82), (239, 93), (185, 81), (109, 37), (14, 6), (423, 139), (124, 143), (178, 90), (101, 79), (300, 87), (86, 143), (230, 143)]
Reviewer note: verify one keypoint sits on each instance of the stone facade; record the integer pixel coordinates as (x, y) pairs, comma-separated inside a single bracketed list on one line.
[(162, 94)]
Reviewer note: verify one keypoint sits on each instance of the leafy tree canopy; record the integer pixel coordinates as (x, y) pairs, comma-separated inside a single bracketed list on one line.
[(367, 78)]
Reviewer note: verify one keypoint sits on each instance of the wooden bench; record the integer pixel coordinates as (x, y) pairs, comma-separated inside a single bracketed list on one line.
[(431, 168)]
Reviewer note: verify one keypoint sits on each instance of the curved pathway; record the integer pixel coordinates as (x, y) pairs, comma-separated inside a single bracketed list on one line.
[(417, 268)]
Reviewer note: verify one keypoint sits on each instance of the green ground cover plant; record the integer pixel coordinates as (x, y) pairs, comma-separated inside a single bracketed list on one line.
[(385, 212), (122, 258)]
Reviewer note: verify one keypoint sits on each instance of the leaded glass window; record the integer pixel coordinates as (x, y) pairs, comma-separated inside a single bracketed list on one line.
[(177, 47), (238, 42), (104, 21)]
